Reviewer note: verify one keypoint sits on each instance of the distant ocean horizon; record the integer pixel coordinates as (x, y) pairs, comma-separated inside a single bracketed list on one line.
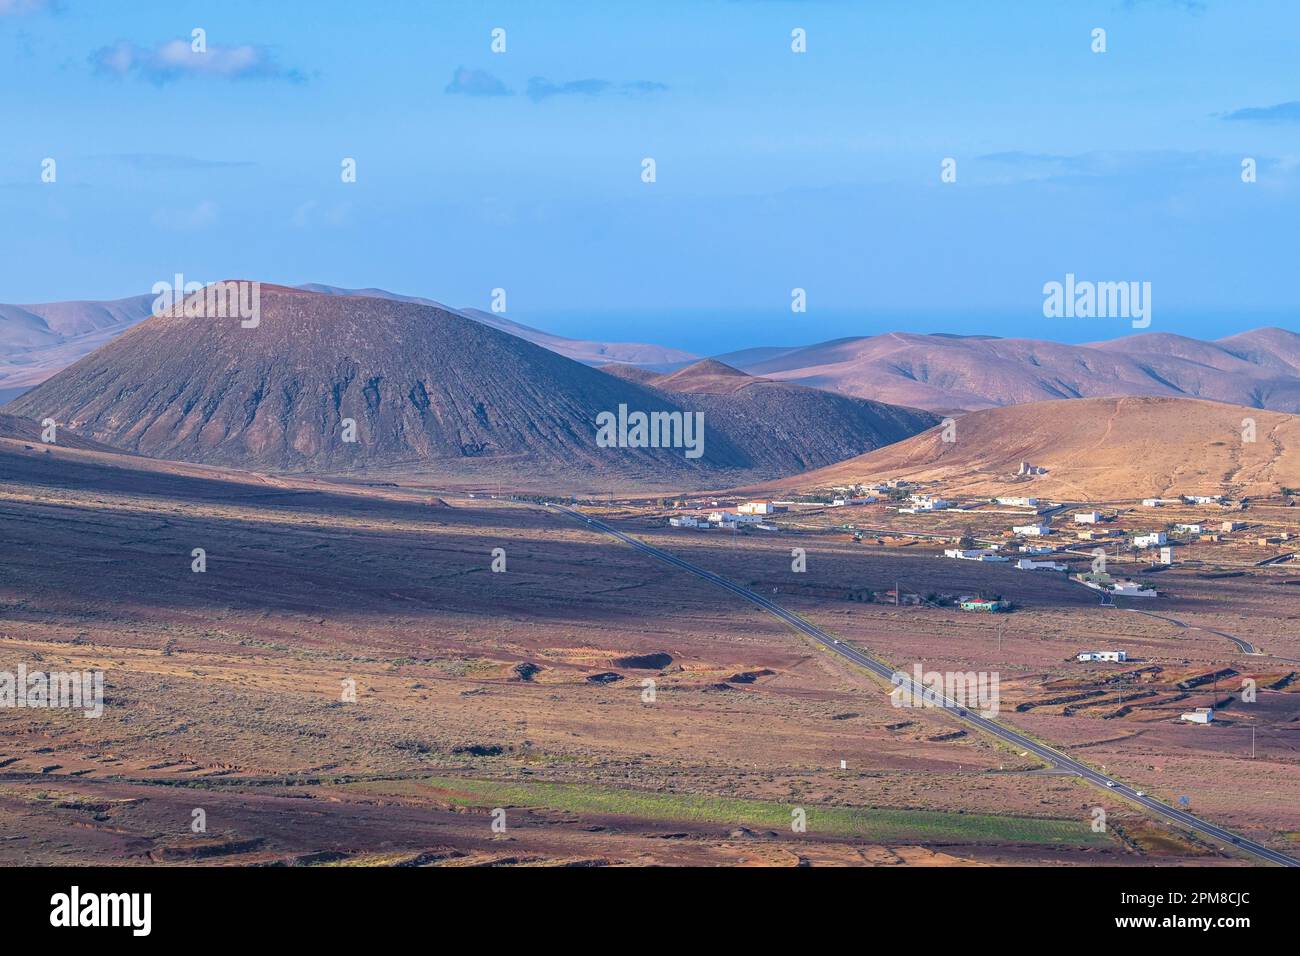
[(718, 331)]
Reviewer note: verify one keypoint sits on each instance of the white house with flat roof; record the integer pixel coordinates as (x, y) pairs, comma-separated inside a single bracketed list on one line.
[(1153, 540), (974, 554), (1087, 517), (1031, 530), (927, 503), (1025, 564), (1114, 656), (1132, 589)]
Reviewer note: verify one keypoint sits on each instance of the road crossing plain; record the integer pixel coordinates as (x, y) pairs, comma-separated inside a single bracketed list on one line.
[(225, 692)]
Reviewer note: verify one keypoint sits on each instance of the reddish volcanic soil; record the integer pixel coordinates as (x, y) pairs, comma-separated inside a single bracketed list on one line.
[(225, 690)]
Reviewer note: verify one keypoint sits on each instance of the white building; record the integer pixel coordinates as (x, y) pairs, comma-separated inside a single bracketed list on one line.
[(1132, 589), (1152, 540), (1166, 555), (1201, 715), (1035, 549), (1203, 499), (684, 521), (974, 554), (926, 503), (1018, 502), (1087, 517), (727, 518), (1187, 528), (1116, 656), (757, 508), (1031, 530), (1024, 564)]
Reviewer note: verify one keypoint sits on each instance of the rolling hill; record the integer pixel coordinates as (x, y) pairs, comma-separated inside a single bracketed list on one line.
[(814, 426), (38, 340), (948, 373), (432, 393), (580, 350), (1094, 449)]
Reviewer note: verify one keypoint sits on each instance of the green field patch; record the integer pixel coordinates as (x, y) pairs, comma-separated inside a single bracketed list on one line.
[(866, 823)]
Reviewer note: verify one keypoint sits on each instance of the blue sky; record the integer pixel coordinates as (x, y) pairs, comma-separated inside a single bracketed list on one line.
[(775, 170)]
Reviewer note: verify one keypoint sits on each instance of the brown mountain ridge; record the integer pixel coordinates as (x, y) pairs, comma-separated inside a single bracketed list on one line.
[(1093, 449), (432, 394), (947, 373)]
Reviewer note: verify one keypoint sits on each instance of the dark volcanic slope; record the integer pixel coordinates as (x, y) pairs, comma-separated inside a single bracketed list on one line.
[(580, 350), (422, 384), (432, 393), (27, 430), (799, 427)]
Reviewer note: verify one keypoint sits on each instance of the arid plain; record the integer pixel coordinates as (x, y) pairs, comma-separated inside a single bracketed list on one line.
[(525, 691)]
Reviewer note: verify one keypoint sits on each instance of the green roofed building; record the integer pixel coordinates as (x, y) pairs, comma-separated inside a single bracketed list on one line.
[(981, 605)]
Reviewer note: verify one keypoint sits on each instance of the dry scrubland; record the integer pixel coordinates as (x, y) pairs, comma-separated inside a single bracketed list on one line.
[(1121, 716), (474, 691), (1094, 449)]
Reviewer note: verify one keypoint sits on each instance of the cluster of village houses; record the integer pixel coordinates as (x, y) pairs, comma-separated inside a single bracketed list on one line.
[(1088, 526), (1088, 529), (752, 513), (749, 513)]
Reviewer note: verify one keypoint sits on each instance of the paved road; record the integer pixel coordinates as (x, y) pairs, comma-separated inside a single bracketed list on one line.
[(1277, 560), (1054, 757), (1244, 646)]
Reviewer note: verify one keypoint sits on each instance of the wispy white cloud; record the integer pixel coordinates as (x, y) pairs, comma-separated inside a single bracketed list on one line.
[(174, 59), (161, 162), (186, 219), (16, 7), (1017, 166), (313, 214), (540, 88), (467, 82), (1191, 6), (1288, 112)]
